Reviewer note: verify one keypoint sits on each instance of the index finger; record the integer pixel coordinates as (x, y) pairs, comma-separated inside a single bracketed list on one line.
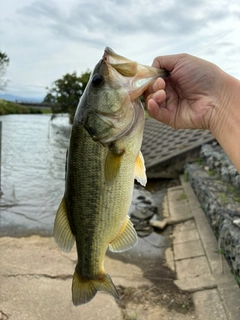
[(158, 84), (167, 62)]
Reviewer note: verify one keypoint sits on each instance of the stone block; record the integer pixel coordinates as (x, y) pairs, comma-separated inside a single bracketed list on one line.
[(187, 235), (174, 194), (231, 296), (179, 209), (190, 268), (189, 249), (209, 306), (203, 282), (187, 225)]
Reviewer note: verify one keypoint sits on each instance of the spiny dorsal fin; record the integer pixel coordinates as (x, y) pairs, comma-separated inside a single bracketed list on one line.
[(139, 170), (112, 166), (63, 235), (126, 239)]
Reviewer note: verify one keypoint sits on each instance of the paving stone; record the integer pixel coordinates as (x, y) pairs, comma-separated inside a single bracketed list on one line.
[(231, 304), (179, 209), (187, 235), (188, 225), (189, 268), (175, 194), (203, 282), (189, 249), (209, 306)]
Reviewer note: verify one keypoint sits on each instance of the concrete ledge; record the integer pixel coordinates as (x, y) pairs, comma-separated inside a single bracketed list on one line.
[(203, 282), (199, 266)]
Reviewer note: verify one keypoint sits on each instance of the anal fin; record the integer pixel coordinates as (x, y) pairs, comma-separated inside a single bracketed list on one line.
[(63, 235), (126, 239)]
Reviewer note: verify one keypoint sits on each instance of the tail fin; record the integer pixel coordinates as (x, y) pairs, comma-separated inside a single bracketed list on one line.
[(84, 290)]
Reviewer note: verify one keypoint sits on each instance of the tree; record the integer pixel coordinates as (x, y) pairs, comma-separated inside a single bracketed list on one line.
[(4, 62), (66, 92)]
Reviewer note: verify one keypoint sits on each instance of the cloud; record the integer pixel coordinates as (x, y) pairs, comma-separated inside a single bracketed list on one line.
[(46, 39), (93, 21)]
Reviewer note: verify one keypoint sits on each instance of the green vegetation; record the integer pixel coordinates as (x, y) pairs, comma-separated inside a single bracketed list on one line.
[(198, 160), (236, 194), (66, 92), (4, 62), (220, 251), (183, 196), (7, 107), (186, 176), (236, 277), (223, 197), (211, 172)]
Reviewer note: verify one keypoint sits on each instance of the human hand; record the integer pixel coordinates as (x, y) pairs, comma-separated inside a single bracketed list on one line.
[(192, 97)]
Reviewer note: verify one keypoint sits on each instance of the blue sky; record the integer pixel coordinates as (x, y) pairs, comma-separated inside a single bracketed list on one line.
[(46, 39)]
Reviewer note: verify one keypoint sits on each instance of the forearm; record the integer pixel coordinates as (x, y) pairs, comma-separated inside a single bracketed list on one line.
[(227, 124)]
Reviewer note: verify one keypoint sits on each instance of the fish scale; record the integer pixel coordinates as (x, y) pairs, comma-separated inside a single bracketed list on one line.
[(105, 200)]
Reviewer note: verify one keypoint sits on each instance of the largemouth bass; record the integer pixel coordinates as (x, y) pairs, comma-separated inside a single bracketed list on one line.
[(103, 159)]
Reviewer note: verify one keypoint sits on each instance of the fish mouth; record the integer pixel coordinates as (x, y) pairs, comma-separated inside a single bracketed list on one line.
[(117, 61), (135, 76)]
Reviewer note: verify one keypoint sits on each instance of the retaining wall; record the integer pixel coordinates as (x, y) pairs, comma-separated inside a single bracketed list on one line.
[(216, 183)]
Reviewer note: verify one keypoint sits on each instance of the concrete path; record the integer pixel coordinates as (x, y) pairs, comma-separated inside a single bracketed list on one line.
[(36, 276), (195, 257)]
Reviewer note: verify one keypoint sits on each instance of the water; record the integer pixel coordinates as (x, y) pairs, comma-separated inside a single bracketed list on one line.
[(33, 172)]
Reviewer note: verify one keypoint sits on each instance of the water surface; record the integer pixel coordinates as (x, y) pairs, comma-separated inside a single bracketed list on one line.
[(33, 171)]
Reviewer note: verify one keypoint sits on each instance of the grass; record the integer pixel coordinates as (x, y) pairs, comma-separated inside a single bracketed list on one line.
[(183, 196), (7, 107), (186, 176), (211, 172), (237, 278), (223, 197), (220, 251)]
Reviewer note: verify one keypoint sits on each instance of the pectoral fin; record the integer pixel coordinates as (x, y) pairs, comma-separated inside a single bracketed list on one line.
[(112, 166), (139, 170), (63, 235), (126, 239)]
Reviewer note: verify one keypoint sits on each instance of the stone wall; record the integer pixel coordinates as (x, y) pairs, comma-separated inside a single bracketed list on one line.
[(216, 183)]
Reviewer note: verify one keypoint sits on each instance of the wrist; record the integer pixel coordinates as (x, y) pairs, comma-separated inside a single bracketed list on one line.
[(225, 125)]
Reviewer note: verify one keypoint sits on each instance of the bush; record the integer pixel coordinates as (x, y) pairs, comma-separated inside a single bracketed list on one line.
[(7, 107)]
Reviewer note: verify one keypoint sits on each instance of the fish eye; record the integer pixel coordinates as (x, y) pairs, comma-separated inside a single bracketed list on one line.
[(97, 80)]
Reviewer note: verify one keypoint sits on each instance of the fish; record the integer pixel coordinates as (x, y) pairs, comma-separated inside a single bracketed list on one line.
[(103, 159)]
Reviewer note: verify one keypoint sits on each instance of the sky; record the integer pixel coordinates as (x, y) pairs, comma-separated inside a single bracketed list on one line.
[(46, 39)]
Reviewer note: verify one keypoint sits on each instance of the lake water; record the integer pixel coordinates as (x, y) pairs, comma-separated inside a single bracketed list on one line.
[(33, 171)]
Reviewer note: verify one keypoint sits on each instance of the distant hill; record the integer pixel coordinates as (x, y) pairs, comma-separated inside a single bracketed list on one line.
[(13, 98)]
